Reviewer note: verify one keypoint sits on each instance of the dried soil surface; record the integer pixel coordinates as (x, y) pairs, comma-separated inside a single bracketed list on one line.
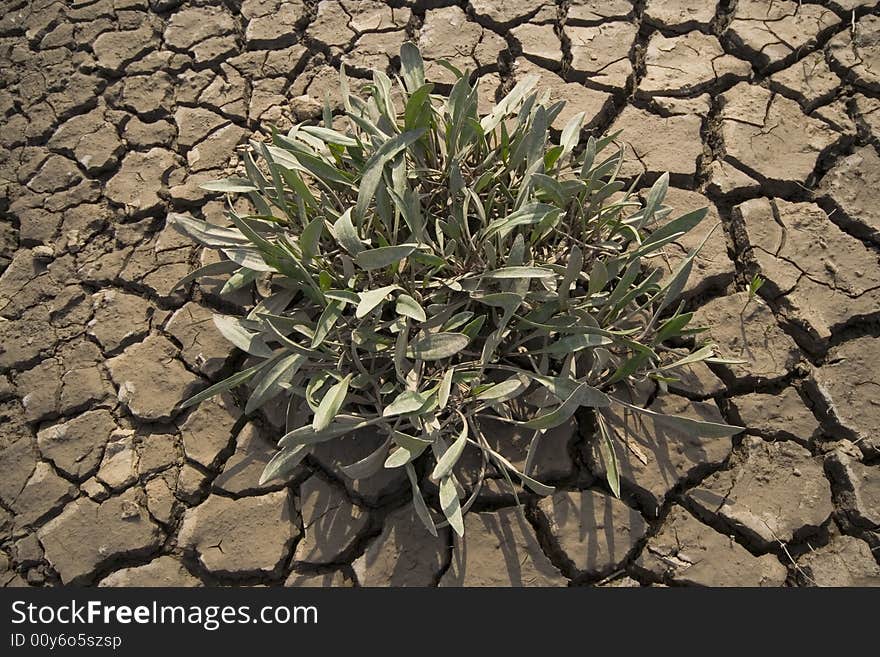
[(114, 111)]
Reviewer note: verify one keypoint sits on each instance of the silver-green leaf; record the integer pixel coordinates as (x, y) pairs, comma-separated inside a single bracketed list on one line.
[(330, 404), (436, 346)]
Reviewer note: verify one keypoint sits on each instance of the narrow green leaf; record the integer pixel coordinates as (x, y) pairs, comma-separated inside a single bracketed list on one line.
[(436, 346), (609, 458), (510, 103), (283, 463), (570, 133), (583, 395), (520, 272), (372, 298), (329, 135), (405, 403), (270, 383), (327, 321), (311, 237), (330, 404), (346, 296), (419, 505), (656, 196), (533, 484), (574, 343), (686, 425), (346, 234), (412, 68), (503, 391), (248, 257), (451, 505), (572, 271), (384, 256), (232, 329), (598, 277), (457, 320), (675, 286), (409, 442), (509, 301), (204, 233), (401, 456), (450, 457), (230, 185), (238, 280), (372, 174), (701, 354), (226, 384), (417, 113), (472, 328), (683, 224), (532, 213), (306, 435), (409, 307), (400, 364), (673, 327), (211, 269), (445, 388)]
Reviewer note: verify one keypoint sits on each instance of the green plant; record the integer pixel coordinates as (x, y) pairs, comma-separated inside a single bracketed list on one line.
[(422, 267), (754, 285)]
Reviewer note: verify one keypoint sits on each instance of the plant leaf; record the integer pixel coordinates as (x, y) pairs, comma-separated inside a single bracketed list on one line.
[(570, 133), (583, 395), (270, 383), (328, 135), (520, 272), (327, 321), (230, 185), (211, 269), (409, 307), (283, 463), (372, 174), (503, 391), (371, 299), (436, 346), (402, 455), (683, 224), (330, 404), (405, 403), (572, 271), (609, 458), (232, 329), (342, 425), (412, 68), (451, 505), (686, 425), (573, 343), (445, 388), (383, 256), (419, 505), (226, 384), (532, 213), (205, 233), (450, 457), (346, 234), (509, 301)]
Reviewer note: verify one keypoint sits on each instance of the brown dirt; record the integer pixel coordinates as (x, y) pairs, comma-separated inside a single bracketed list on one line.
[(115, 110)]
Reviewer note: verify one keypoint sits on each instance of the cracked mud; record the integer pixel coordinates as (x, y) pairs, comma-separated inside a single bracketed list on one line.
[(116, 110)]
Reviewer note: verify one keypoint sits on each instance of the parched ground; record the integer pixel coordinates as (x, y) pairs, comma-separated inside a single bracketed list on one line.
[(116, 110)]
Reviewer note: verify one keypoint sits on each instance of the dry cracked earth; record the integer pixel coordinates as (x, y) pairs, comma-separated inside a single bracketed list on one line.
[(116, 110)]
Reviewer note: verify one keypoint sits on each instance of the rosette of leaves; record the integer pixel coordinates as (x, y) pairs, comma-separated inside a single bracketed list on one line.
[(422, 268)]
